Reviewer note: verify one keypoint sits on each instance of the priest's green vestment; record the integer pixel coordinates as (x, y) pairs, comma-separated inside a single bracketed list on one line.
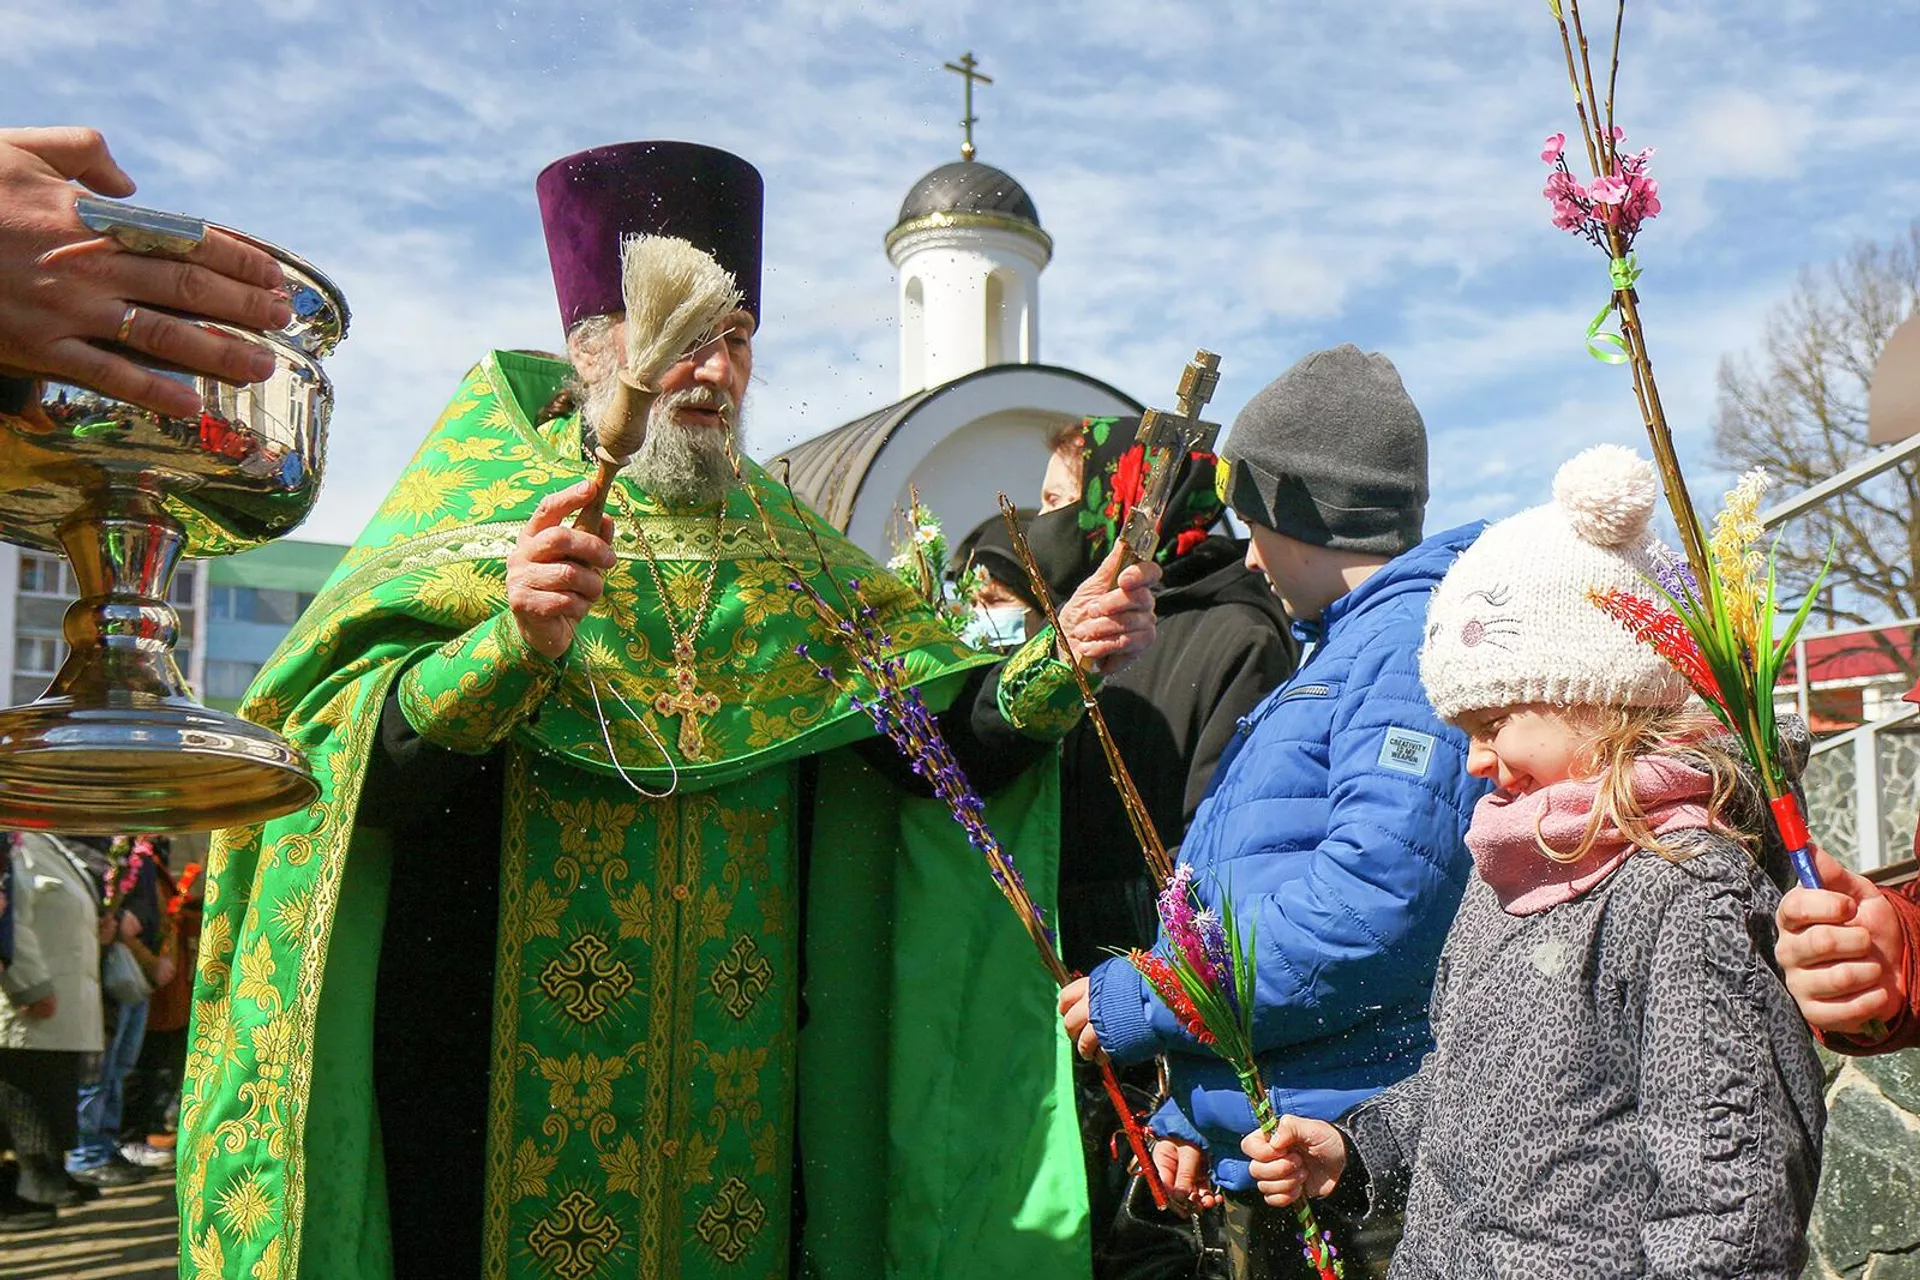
[(646, 1057)]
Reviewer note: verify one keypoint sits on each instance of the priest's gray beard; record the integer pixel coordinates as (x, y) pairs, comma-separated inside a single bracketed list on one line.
[(684, 463)]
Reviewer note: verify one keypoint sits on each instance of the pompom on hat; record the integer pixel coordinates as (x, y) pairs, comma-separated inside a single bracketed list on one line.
[(1512, 623)]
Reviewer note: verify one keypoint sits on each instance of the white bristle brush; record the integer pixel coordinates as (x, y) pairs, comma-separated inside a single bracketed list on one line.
[(676, 295)]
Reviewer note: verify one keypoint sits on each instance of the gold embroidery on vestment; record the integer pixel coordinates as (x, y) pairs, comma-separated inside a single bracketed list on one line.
[(586, 979), (741, 977), (575, 1237), (731, 1220)]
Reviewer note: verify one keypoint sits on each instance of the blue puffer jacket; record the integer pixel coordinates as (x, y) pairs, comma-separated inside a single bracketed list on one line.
[(1338, 817)]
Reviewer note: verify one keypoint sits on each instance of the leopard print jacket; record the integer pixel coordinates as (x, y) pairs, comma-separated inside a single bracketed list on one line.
[(1620, 1086)]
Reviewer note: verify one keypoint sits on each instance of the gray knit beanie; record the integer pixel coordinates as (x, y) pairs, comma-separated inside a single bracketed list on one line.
[(1332, 453)]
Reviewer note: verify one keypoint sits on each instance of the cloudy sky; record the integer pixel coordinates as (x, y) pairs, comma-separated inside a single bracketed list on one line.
[(1261, 177)]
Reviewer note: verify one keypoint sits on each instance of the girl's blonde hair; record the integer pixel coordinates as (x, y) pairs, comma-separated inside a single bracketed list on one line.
[(1622, 735)]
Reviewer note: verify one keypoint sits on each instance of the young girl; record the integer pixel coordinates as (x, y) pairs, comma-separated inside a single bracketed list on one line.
[(1619, 1084)]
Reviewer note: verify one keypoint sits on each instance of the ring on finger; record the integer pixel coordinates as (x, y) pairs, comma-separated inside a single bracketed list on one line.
[(125, 331)]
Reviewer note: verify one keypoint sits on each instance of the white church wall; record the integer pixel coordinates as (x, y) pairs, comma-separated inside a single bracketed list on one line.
[(960, 270), (971, 442), (1028, 320), (962, 478)]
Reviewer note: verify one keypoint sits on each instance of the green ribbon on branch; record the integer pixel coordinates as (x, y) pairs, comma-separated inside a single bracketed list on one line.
[(1609, 347)]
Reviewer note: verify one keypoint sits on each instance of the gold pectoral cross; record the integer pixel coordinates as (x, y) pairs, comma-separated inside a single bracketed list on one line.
[(687, 702)]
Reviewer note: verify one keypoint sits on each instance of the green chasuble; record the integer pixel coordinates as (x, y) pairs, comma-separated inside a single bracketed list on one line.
[(646, 1057)]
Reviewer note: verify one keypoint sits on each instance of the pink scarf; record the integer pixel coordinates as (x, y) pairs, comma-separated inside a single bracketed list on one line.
[(1673, 796)]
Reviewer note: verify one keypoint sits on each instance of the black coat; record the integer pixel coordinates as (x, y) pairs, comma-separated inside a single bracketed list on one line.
[(1224, 642)]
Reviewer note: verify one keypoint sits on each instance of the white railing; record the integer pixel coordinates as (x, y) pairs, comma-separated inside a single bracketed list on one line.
[(1841, 481), (1802, 674), (1870, 739), (1870, 790)]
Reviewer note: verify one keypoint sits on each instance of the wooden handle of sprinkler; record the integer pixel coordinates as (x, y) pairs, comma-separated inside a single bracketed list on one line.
[(619, 434), (588, 521)]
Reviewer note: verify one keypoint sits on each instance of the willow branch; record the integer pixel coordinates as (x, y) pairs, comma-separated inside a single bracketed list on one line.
[(1661, 436), (1613, 73), (1159, 862), (1587, 128), (1593, 99)]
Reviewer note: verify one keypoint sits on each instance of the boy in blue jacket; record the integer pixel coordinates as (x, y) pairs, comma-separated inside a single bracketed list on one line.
[(1337, 815)]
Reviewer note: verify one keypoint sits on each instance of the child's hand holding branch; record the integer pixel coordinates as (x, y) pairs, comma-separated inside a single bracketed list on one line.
[(1076, 1017), (1183, 1167), (1301, 1155)]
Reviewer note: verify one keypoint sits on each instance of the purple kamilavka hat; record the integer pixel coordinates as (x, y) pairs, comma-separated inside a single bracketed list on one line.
[(592, 200)]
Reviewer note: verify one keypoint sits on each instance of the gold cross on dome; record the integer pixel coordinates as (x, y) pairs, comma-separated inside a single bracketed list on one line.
[(965, 67)]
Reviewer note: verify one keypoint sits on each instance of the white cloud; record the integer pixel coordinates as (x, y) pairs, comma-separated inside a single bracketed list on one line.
[(1737, 133)]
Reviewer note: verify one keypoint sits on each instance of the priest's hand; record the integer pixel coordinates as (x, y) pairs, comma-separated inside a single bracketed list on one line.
[(63, 288), (1108, 622), (1842, 950), (556, 572)]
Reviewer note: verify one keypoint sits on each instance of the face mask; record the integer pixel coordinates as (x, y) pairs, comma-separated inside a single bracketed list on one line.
[(1001, 627)]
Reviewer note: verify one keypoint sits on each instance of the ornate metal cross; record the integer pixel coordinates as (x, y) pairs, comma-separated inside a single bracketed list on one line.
[(1167, 437), (966, 67), (689, 703)]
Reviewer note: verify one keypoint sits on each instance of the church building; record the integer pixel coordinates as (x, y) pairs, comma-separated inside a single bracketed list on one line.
[(976, 404)]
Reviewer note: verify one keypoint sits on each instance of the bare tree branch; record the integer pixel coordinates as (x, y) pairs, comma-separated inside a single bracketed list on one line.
[(1798, 408)]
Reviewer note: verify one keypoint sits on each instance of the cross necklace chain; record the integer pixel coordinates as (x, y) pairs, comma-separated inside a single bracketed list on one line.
[(686, 699)]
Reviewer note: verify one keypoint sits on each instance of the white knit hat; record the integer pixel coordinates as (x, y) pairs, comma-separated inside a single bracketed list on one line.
[(1511, 622)]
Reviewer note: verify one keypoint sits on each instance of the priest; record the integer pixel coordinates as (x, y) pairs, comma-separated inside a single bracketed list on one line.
[(616, 944)]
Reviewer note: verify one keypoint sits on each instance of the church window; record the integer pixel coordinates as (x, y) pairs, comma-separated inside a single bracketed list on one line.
[(996, 319), (913, 337)]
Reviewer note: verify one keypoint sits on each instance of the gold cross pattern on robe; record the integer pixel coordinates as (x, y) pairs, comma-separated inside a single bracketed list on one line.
[(689, 703)]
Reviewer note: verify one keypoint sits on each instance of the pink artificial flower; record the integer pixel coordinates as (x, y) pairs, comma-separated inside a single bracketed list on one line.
[(1555, 145), (1607, 189), (1642, 202), (1561, 188), (1177, 921), (1569, 200)]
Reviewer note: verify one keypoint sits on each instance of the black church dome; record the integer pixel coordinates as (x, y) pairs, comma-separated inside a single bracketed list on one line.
[(967, 186)]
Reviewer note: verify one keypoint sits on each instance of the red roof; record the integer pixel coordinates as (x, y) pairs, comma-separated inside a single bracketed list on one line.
[(1861, 655)]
